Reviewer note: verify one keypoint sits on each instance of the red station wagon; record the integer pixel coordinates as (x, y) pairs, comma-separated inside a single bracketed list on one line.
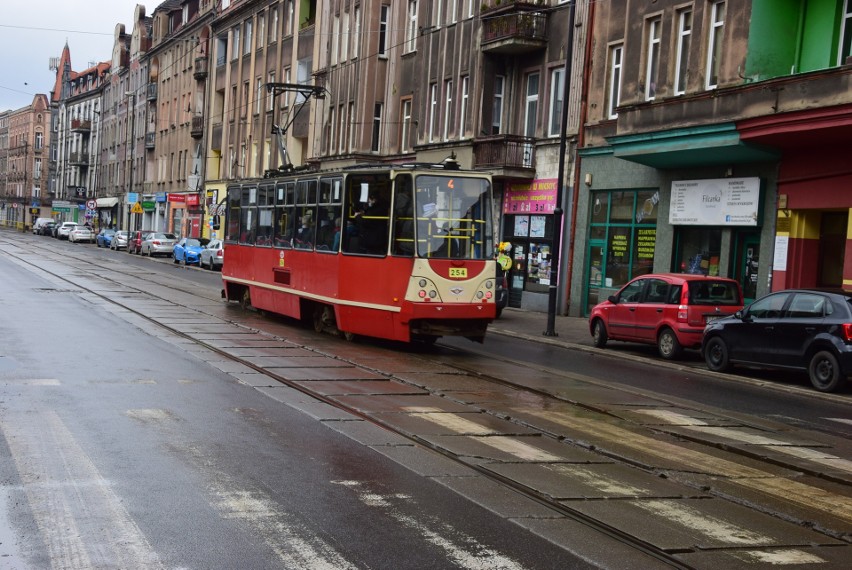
[(666, 309)]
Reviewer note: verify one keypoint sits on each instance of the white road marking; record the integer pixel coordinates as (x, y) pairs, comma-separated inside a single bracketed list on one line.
[(600, 482), (512, 446), (81, 520), (709, 526), (778, 445), (33, 381), (841, 420), (783, 557), (462, 549)]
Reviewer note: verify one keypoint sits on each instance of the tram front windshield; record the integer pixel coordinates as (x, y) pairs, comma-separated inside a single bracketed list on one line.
[(453, 217)]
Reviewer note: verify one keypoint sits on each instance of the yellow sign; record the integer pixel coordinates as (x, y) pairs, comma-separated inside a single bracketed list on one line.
[(137, 208), (458, 272)]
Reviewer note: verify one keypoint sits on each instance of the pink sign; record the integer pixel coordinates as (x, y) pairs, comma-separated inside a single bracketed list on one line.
[(536, 197)]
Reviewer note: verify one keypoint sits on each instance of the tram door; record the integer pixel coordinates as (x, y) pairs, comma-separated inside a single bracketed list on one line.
[(595, 272)]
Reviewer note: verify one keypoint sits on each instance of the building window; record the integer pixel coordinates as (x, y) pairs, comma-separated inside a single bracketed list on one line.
[(557, 91), (39, 141), (335, 38), (270, 99), (377, 128), (289, 15), (37, 168), (345, 37), (244, 102), (273, 25), (465, 95), (684, 35), (433, 109), (452, 8), (404, 144), (531, 107), (845, 50), (352, 126), (411, 27), (331, 132), (341, 147), (448, 107), (614, 88), (303, 75), (714, 44), (652, 65), (235, 49), (258, 100), (247, 40), (383, 30), (356, 37), (497, 107), (261, 30)]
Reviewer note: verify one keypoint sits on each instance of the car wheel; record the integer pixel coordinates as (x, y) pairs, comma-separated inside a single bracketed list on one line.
[(668, 345), (150, 253), (599, 336), (824, 371), (716, 355)]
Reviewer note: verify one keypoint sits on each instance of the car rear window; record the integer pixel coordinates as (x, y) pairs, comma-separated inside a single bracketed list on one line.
[(714, 293)]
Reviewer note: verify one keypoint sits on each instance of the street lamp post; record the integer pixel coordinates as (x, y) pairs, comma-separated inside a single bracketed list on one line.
[(560, 181)]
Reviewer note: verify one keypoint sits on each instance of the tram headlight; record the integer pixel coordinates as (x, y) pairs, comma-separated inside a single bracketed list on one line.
[(422, 283), (433, 294), (489, 284), (480, 294)]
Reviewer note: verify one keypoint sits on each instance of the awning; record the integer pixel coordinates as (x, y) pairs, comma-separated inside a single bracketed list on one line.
[(107, 202)]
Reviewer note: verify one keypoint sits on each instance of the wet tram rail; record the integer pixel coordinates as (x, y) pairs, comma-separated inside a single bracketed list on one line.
[(609, 474)]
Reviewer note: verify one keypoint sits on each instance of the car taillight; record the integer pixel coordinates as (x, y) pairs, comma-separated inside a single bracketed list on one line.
[(220, 253), (683, 313), (847, 332)]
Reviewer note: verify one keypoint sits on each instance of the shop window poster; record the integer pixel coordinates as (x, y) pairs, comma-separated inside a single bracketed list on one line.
[(522, 226), (537, 224)]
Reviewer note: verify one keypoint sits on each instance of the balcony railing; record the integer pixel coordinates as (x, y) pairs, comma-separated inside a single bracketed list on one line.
[(78, 158), (80, 126), (504, 151), (201, 64), (150, 139), (515, 33), (197, 126), (151, 92)]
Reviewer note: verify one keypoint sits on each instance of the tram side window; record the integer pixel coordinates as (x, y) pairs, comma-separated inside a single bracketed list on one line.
[(306, 199), (265, 205), (329, 211), (368, 198), (285, 223), (403, 216), (232, 230), (248, 215)]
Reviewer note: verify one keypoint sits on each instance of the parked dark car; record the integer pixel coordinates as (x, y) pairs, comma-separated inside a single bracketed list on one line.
[(799, 329), (46, 229), (666, 309)]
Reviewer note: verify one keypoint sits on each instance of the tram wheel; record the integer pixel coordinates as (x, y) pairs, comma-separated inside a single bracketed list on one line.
[(349, 336), (245, 299)]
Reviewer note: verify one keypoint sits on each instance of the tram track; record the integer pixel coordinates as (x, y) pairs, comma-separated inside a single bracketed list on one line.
[(560, 508)]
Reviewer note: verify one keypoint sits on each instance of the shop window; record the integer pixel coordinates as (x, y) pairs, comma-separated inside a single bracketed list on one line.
[(698, 250)]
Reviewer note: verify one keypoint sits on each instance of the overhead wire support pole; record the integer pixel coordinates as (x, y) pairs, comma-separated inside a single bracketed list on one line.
[(553, 287)]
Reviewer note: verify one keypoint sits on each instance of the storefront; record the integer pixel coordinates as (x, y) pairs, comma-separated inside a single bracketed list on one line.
[(528, 227)]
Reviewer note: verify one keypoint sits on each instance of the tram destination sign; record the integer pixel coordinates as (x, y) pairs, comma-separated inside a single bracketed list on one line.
[(715, 202)]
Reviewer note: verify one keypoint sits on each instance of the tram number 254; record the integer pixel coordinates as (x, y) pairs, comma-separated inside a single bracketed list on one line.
[(458, 272)]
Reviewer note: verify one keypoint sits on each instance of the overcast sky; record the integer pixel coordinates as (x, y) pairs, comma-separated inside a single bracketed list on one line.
[(33, 31)]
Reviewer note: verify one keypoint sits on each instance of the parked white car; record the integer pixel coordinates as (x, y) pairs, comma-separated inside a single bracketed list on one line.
[(81, 233), (63, 230), (213, 255)]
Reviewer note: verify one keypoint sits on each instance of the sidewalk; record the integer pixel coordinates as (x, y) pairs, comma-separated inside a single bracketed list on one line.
[(530, 325)]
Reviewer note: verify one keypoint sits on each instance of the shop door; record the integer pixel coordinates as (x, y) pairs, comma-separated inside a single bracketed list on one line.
[(832, 249), (517, 275), (595, 274), (747, 259)]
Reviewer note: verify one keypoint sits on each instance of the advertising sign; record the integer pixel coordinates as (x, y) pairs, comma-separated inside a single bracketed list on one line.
[(536, 197), (715, 202)]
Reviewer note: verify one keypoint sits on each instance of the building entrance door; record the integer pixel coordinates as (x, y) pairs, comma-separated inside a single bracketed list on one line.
[(595, 275), (747, 261)]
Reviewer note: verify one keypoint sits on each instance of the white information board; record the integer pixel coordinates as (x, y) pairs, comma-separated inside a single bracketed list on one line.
[(715, 202)]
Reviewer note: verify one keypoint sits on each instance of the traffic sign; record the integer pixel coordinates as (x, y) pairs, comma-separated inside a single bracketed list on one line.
[(137, 208), (91, 204)]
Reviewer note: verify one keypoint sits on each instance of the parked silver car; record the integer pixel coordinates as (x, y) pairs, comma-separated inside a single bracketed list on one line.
[(119, 240), (213, 256), (81, 233), (158, 243)]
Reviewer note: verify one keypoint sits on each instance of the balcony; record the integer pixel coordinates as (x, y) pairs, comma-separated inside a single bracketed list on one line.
[(150, 139), (151, 92), (498, 6), (201, 67), (515, 33), (506, 152), (81, 126), (197, 126), (78, 158)]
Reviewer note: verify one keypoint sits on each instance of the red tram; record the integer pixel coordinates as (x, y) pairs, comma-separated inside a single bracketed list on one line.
[(402, 252)]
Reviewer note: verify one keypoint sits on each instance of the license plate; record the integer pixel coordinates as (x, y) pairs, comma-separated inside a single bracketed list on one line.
[(458, 272), (712, 318)]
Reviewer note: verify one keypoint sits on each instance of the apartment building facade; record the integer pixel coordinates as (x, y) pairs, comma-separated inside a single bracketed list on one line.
[(26, 157), (712, 145), (481, 83)]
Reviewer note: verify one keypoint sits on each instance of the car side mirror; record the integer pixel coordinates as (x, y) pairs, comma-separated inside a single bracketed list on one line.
[(613, 299)]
